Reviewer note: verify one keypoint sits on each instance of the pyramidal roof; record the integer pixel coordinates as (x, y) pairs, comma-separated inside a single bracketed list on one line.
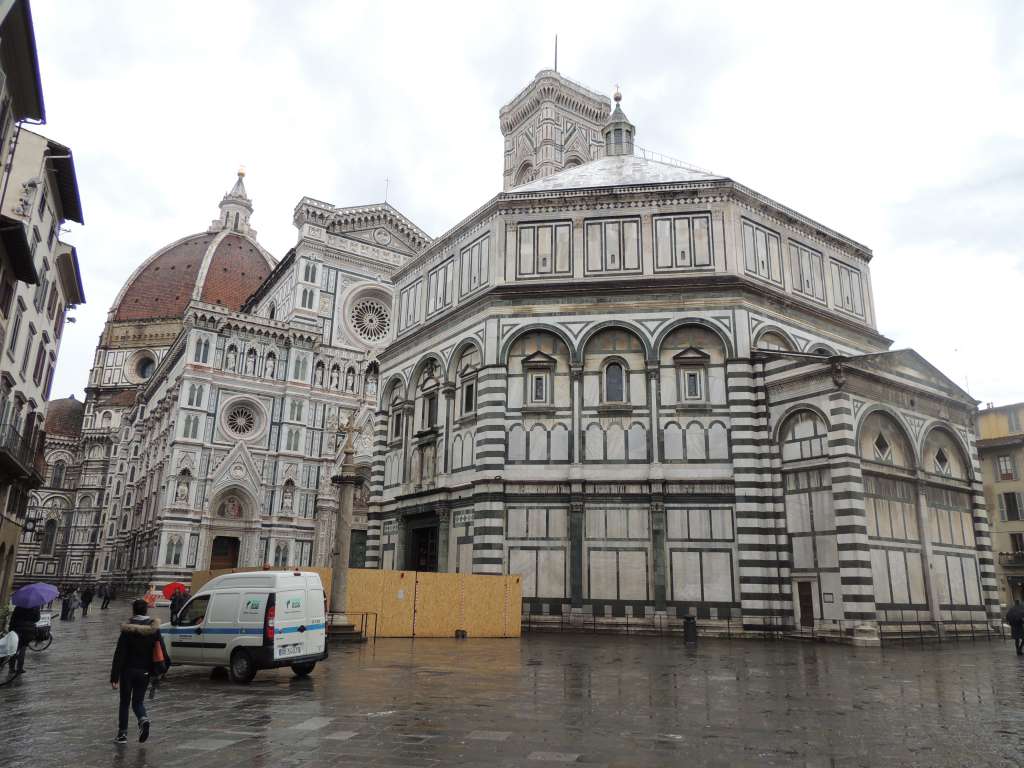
[(620, 170)]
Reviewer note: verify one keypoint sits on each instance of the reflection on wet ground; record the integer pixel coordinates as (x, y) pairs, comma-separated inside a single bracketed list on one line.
[(597, 700)]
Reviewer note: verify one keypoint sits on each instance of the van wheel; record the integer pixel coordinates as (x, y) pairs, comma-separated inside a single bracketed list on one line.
[(301, 670), (242, 668)]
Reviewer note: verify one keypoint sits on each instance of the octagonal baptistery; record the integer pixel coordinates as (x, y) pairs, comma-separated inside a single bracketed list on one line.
[(650, 390)]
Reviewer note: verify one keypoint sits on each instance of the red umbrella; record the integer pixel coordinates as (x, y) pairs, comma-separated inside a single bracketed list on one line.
[(174, 586)]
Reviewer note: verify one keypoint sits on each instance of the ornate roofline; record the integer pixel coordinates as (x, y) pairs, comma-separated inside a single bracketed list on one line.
[(313, 211), (549, 85)]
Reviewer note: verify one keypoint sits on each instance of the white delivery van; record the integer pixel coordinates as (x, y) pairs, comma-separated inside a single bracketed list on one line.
[(252, 621)]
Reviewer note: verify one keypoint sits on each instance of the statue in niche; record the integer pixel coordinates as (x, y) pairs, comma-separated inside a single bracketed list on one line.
[(371, 384), (335, 374), (271, 366), (350, 380), (288, 497), (319, 375), (229, 360), (181, 494), (250, 363), (231, 508)]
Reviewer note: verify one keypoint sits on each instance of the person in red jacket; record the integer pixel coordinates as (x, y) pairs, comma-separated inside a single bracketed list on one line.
[(133, 666)]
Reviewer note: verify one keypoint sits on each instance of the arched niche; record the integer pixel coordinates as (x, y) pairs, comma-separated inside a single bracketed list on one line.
[(881, 439)]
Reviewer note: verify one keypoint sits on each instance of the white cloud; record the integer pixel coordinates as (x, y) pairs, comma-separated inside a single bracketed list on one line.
[(893, 123)]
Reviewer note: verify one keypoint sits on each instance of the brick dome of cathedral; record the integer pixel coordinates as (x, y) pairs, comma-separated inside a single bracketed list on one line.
[(64, 417), (224, 265)]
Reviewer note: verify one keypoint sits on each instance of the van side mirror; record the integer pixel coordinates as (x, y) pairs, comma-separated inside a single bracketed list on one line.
[(174, 619)]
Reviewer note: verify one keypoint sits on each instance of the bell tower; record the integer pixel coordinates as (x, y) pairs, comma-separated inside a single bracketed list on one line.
[(552, 124)]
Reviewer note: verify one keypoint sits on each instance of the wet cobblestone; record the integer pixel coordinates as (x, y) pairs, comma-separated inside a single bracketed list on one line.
[(542, 700)]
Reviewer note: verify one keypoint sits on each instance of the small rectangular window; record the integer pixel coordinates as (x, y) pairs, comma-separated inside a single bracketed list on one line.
[(429, 417), (693, 388), (538, 388), (808, 275), (1013, 420), (468, 397), (1007, 468)]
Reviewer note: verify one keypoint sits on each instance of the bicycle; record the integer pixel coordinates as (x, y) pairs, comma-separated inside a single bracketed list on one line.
[(43, 636)]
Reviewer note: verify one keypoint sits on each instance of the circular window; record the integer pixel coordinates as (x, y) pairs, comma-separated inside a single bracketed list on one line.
[(241, 420), (371, 320), (145, 367)]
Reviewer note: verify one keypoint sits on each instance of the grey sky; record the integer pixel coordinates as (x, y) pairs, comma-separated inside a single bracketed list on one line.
[(900, 125)]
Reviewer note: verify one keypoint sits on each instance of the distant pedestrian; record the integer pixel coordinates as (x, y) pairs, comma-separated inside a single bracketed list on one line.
[(65, 593), (23, 624), (74, 600), (1015, 618), (133, 666), (105, 594), (87, 595), (177, 601)]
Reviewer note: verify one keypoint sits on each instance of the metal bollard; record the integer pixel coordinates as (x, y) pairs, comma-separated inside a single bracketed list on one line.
[(690, 630)]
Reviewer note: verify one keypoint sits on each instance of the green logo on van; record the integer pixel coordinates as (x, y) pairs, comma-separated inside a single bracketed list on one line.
[(252, 605), (292, 602)]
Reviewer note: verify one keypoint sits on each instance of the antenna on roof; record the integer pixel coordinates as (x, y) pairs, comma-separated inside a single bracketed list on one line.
[(556, 53), (387, 183)]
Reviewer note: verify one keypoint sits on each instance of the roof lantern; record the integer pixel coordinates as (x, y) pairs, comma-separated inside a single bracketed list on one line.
[(618, 131)]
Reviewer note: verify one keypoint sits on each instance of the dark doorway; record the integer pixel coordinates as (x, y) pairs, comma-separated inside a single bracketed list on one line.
[(423, 549), (224, 553), (806, 596), (357, 550)]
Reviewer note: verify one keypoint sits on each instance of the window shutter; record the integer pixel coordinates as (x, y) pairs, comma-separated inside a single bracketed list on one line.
[(1002, 507), (1020, 511)]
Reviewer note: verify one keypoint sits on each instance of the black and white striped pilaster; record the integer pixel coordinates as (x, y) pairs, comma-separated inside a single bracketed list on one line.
[(489, 529), (848, 504), (380, 450), (983, 538), (490, 413), (761, 543), (373, 531)]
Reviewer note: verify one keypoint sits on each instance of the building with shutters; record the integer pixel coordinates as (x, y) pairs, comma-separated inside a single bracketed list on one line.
[(1001, 451), (39, 276)]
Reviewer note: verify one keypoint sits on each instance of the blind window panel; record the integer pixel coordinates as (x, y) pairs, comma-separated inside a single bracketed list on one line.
[(563, 256), (593, 247), (663, 243), (544, 264), (526, 263), (701, 247), (682, 242), (631, 245), (612, 247)]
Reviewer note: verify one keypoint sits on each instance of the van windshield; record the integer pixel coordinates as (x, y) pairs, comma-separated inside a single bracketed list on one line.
[(192, 614)]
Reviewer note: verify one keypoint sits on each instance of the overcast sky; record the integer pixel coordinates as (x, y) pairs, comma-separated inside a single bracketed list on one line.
[(899, 125)]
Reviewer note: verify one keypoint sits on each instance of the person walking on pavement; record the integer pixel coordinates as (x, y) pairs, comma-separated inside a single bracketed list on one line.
[(87, 596), (65, 592), (73, 602), (1015, 618), (23, 624), (133, 665), (105, 594)]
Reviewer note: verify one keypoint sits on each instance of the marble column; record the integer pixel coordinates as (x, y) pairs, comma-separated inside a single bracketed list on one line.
[(343, 529)]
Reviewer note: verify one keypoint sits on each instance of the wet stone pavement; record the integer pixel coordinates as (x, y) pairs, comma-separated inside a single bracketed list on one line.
[(544, 700)]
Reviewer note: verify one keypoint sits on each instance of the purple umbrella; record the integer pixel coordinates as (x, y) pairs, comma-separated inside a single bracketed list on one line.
[(34, 595)]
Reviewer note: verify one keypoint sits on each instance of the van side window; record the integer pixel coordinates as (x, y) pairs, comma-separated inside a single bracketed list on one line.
[(192, 614)]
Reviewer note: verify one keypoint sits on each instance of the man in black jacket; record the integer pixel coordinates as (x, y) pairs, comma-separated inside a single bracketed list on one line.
[(132, 666), (23, 624)]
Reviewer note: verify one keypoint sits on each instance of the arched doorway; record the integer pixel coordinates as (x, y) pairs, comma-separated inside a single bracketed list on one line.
[(224, 552)]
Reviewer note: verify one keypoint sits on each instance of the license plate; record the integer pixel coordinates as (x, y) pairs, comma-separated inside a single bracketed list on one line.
[(284, 651)]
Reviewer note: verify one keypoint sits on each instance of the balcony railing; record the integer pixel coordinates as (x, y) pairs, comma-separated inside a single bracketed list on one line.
[(18, 455), (1012, 559)]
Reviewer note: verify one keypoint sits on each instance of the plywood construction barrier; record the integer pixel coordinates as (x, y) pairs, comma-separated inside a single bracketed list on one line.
[(415, 604)]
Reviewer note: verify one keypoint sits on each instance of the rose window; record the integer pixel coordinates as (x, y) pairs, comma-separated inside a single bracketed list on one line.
[(371, 320), (241, 420)]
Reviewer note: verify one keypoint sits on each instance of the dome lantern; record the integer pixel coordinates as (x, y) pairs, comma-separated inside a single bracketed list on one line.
[(618, 132), (235, 209)]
